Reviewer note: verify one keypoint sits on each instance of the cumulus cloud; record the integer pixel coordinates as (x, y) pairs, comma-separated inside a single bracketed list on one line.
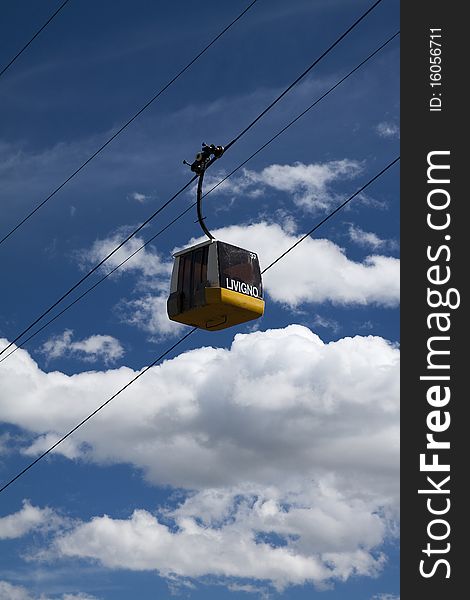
[(317, 270), (309, 185), (228, 533), (25, 520), (210, 403), (143, 543), (105, 347), (369, 239), (322, 540), (388, 130), (302, 480), (208, 406)]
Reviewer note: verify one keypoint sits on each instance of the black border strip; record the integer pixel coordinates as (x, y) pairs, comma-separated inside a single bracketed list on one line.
[(438, 193)]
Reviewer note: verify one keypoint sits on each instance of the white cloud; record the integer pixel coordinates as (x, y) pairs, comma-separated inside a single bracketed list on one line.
[(319, 321), (309, 184), (149, 313), (25, 520), (249, 589), (9, 591), (208, 406), (234, 548), (388, 130), (317, 270), (139, 197), (106, 347), (385, 597), (4, 443), (148, 310), (369, 239), (78, 596), (69, 447), (146, 262), (314, 462), (13, 592)]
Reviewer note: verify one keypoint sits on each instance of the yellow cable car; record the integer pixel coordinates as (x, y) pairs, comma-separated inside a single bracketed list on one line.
[(215, 285)]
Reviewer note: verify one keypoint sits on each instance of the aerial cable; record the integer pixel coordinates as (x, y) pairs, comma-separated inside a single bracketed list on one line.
[(96, 284), (302, 75), (151, 239), (98, 265), (209, 163), (338, 208), (303, 113), (126, 124), (18, 54), (154, 98), (128, 384), (69, 433)]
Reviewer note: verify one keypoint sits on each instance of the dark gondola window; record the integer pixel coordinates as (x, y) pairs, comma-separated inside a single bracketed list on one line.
[(205, 256), (197, 266), (238, 265), (184, 283), (192, 275)]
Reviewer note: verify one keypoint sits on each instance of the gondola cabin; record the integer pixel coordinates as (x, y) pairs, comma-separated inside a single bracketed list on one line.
[(215, 285)]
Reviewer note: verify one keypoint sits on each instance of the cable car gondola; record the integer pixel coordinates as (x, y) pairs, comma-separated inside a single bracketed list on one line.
[(214, 285)]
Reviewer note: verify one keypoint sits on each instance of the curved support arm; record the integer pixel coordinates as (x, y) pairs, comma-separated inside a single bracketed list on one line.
[(203, 160), (199, 206)]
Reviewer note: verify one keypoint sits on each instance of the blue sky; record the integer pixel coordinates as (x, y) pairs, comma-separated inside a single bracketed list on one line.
[(257, 462)]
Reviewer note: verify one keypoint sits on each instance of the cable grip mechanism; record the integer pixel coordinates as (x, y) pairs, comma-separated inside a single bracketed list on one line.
[(204, 157)]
